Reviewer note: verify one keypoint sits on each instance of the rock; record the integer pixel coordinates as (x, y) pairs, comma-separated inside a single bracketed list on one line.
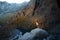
[(39, 32), (27, 36), (47, 10), (51, 37), (10, 34), (35, 34)]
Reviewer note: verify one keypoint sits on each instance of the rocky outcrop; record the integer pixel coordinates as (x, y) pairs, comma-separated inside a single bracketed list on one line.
[(35, 34), (49, 10), (45, 12)]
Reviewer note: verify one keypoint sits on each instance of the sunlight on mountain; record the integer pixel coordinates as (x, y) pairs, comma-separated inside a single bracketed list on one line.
[(15, 1)]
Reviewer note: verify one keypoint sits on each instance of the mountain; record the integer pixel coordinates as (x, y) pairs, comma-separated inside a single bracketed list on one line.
[(6, 7)]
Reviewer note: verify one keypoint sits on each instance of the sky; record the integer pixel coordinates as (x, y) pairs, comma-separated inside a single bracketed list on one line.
[(15, 1)]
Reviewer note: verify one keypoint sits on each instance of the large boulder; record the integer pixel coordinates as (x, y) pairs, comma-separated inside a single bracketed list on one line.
[(35, 34)]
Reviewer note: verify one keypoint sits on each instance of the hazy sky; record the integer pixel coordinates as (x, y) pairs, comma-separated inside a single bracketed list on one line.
[(15, 1)]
